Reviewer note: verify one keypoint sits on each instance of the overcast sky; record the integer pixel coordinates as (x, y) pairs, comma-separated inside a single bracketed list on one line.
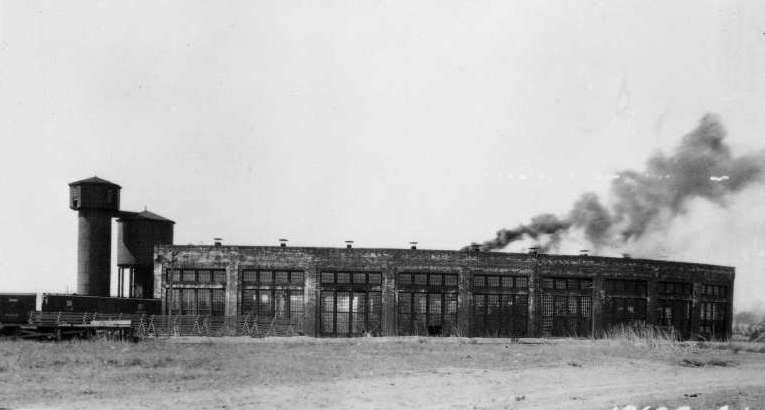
[(377, 121)]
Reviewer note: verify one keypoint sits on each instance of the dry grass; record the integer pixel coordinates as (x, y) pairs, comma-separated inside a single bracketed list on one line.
[(104, 369), (645, 336)]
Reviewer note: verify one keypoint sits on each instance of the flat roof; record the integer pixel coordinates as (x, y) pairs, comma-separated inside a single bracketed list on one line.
[(459, 252)]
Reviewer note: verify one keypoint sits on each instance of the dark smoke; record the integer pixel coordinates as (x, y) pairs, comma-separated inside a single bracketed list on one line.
[(702, 166)]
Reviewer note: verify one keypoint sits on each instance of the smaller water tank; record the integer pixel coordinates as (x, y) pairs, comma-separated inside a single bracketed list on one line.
[(137, 234)]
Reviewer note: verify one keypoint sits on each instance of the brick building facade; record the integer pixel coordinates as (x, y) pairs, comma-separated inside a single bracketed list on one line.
[(356, 291)]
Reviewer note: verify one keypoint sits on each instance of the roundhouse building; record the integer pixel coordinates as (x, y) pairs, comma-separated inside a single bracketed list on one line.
[(354, 291)]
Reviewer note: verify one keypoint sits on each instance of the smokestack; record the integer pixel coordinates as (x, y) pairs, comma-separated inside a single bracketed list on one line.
[(413, 245), (349, 244), (217, 241), (283, 243)]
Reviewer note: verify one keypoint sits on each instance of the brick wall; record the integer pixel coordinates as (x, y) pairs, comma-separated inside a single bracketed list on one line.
[(389, 262)]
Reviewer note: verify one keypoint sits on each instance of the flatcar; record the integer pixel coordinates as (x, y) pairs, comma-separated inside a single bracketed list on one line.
[(15, 308)]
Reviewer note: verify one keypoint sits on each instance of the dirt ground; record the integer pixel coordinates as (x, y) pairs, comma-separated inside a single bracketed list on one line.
[(377, 373)]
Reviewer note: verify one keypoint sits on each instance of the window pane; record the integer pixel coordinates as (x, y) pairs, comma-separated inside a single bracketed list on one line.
[(507, 281), (249, 301), (420, 279), (492, 281), (189, 302), (327, 302), (343, 302), (204, 301), (218, 302), (436, 279), (360, 278), (219, 276), (375, 279), (404, 278), (451, 303), (296, 278), (343, 277), (479, 281), (296, 307), (521, 282), (280, 305), (404, 302), (435, 303), (327, 277), (188, 275), (281, 277), (264, 304), (204, 276), (450, 280), (265, 277), (249, 276)]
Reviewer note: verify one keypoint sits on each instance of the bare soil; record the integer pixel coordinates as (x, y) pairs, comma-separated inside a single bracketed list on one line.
[(377, 373)]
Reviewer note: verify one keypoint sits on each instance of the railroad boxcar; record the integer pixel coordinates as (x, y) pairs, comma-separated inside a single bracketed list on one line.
[(15, 307), (99, 304)]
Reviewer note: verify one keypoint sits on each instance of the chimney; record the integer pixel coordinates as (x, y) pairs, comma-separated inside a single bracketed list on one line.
[(534, 250), (349, 244), (475, 247), (413, 245), (283, 243), (217, 241), (626, 256), (584, 252)]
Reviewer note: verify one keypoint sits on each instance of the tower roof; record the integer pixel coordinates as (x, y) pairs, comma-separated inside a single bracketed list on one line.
[(94, 181), (125, 215)]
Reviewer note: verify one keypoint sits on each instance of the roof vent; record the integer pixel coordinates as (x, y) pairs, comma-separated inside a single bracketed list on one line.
[(349, 244), (218, 241), (283, 242), (413, 245), (584, 252)]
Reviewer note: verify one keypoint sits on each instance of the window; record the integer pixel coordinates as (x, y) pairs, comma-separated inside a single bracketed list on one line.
[(350, 303), (281, 277), (204, 276), (505, 282), (626, 287), (273, 299), (716, 291), (427, 303), (190, 275), (249, 276), (199, 300), (265, 277), (674, 288)]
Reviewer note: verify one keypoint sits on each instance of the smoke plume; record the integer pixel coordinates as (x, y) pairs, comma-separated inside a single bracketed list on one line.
[(701, 167)]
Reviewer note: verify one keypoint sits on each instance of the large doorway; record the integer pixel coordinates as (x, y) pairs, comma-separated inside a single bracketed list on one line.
[(567, 307), (427, 303), (500, 306), (350, 304)]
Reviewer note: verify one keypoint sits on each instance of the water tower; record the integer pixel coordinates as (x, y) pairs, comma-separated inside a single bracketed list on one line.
[(96, 201), (137, 233)]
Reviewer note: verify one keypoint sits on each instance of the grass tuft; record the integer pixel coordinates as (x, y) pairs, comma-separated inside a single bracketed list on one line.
[(642, 335)]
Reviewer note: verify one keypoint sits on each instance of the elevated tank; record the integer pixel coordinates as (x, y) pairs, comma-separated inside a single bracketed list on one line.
[(137, 234), (96, 200)]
